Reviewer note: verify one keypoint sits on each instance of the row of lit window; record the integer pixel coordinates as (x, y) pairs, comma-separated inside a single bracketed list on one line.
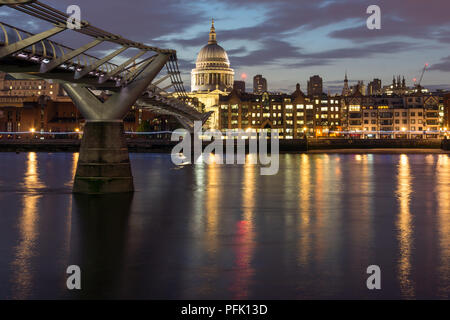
[(279, 107)]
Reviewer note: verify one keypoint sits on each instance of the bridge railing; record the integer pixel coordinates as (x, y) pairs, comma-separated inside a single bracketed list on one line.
[(47, 49)]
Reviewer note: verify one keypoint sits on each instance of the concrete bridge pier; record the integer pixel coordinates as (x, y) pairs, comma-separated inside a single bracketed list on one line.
[(104, 164)]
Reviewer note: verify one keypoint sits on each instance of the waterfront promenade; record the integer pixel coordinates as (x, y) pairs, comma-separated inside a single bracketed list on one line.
[(294, 145)]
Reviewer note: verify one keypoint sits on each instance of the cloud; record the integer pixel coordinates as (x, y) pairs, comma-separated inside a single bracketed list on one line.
[(326, 32), (444, 65), (271, 52)]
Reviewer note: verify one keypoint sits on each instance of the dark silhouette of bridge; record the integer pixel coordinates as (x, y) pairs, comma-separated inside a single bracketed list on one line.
[(103, 165)]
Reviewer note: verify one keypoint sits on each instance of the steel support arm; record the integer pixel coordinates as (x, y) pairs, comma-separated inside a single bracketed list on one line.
[(120, 68), (98, 63), (119, 103), (46, 67), (117, 106), (86, 102), (130, 77)]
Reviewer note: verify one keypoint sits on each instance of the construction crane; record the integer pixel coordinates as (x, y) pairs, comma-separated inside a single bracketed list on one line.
[(421, 76)]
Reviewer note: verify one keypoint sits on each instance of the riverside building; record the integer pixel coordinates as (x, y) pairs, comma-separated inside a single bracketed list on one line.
[(419, 115), (293, 115)]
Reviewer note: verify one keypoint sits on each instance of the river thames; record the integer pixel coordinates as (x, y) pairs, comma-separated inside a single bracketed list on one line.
[(226, 232)]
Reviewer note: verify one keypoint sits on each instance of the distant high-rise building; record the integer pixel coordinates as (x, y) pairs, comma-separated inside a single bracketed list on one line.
[(259, 84), (346, 90), (239, 85), (374, 87), (315, 86), (359, 87)]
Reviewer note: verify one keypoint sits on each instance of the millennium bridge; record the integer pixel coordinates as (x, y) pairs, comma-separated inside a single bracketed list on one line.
[(103, 164)]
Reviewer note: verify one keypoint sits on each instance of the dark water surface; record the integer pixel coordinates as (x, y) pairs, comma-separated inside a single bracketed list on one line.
[(226, 232)]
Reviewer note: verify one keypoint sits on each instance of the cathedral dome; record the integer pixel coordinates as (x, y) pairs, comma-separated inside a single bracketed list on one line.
[(212, 54), (212, 68)]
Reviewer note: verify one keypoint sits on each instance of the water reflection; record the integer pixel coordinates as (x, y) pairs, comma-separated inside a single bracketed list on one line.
[(73, 170), (22, 265), (443, 199), (225, 232), (213, 193), (404, 226), (244, 238), (305, 249), (102, 222), (362, 209), (68, 226)]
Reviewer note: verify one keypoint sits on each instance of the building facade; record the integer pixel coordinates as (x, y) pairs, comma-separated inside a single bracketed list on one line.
[(27, 88), (446, 111), (293, 115), (416, 115), (59, 115)]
